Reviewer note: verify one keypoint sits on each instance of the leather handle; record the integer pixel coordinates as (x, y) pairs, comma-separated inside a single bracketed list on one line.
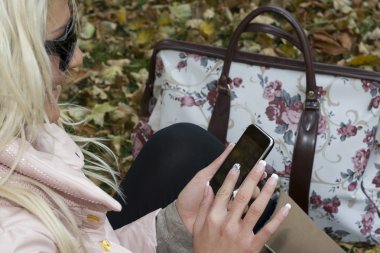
[(305, 49), (218, 124)]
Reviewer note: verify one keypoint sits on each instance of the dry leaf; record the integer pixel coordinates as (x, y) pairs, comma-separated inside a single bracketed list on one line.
[(121, 16), (207, 28), (345, 40), (364, 60), (98, 113), (144, 36), (327, 44)]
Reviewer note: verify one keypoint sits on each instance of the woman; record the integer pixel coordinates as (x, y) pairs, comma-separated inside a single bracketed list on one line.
[(46, 202)]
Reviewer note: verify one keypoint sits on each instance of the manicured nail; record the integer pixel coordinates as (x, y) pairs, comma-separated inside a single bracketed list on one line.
[(264, 176), (263, 163), (234, 193), (285, 209), (236, 168), (260, 168), (273, 179)]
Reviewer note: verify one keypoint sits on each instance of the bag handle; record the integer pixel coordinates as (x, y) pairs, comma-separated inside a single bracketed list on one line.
[(304, 148), (219, 120)]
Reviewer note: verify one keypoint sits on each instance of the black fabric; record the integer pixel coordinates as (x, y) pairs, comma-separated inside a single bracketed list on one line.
[(162, 169)]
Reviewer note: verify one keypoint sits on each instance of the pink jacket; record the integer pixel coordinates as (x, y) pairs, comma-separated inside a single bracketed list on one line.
[(56, 161)]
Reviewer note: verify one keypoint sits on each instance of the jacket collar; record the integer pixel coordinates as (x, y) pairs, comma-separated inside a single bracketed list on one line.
[(56, 161)]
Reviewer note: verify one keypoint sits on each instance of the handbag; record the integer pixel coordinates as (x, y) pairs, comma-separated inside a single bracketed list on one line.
[(324, 119), (298, 233)]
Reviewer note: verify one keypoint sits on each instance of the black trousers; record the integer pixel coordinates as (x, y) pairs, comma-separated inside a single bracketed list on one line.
[(164, 166)]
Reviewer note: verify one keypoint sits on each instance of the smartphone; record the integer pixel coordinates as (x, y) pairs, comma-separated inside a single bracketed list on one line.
[(253, 146)]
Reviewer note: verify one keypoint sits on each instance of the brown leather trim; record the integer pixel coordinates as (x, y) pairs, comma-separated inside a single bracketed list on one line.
[(221, 113), (303, 158)]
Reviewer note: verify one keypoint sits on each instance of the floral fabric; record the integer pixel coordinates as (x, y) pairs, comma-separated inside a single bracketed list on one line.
[(344, 190)]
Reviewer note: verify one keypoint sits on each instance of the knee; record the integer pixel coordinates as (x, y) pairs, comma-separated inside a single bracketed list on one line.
[(186, 129), (188, 136), (185, 132)]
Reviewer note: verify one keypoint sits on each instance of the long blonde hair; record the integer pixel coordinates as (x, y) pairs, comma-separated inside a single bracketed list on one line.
[(25, 82)]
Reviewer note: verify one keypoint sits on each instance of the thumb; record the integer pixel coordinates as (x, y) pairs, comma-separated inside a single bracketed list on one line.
[(204, 209)]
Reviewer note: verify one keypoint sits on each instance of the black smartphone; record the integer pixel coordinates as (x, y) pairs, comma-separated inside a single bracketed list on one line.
[(253, 146)]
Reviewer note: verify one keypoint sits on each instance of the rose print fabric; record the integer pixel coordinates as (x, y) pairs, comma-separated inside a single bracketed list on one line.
[(344, 191)]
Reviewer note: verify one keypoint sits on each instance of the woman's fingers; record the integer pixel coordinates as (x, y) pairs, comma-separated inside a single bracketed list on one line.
[(258, 206), (270, 228), (246, 191), (224, 193), (204, 208), (211, 169), (256, 193)]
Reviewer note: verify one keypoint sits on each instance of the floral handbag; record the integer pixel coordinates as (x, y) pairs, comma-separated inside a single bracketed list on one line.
[(324, 120)]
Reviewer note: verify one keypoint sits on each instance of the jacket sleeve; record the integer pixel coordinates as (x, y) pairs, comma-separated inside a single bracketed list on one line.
[(140, 235), (172, 235), (161, 231), (20, 232)]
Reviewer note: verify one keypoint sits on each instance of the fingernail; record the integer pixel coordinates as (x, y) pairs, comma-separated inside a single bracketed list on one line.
[(285, 209), (263, 163), (273, 179), (236, 168), (231, 144), (234, 193), (264, 176)]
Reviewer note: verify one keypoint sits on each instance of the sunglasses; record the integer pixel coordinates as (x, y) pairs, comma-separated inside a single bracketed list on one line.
[(64, 46)]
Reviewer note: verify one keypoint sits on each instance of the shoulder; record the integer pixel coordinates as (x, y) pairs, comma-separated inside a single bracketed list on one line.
[(21, 231)]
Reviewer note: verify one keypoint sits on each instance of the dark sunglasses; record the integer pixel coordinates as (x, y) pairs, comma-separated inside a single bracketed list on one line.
[(64, 46)]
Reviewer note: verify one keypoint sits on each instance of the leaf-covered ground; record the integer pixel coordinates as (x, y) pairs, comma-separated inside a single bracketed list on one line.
[(117, 37)]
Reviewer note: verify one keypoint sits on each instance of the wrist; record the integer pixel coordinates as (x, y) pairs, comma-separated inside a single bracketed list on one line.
[(186, 219)]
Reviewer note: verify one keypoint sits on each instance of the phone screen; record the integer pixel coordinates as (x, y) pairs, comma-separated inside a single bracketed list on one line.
[(253, 146)]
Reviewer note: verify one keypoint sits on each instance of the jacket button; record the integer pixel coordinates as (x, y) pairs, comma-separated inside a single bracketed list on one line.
[(93, 218), (106, 246)]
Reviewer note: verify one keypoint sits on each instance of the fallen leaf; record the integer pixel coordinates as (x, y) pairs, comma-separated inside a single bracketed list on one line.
[(96, 92), (164, 19), (144, 36), (327, 44), (109, 73), (98, 112), (121, 16), (181, 11), (207, 28), (345, 40), (364, 60), (123, 112), (88, 31)]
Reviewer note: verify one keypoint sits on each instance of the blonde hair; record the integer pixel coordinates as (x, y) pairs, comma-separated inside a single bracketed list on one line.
[(26, 82)]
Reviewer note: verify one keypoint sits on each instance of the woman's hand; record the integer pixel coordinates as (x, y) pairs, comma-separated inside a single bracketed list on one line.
[(220, 229), (190, 198)]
